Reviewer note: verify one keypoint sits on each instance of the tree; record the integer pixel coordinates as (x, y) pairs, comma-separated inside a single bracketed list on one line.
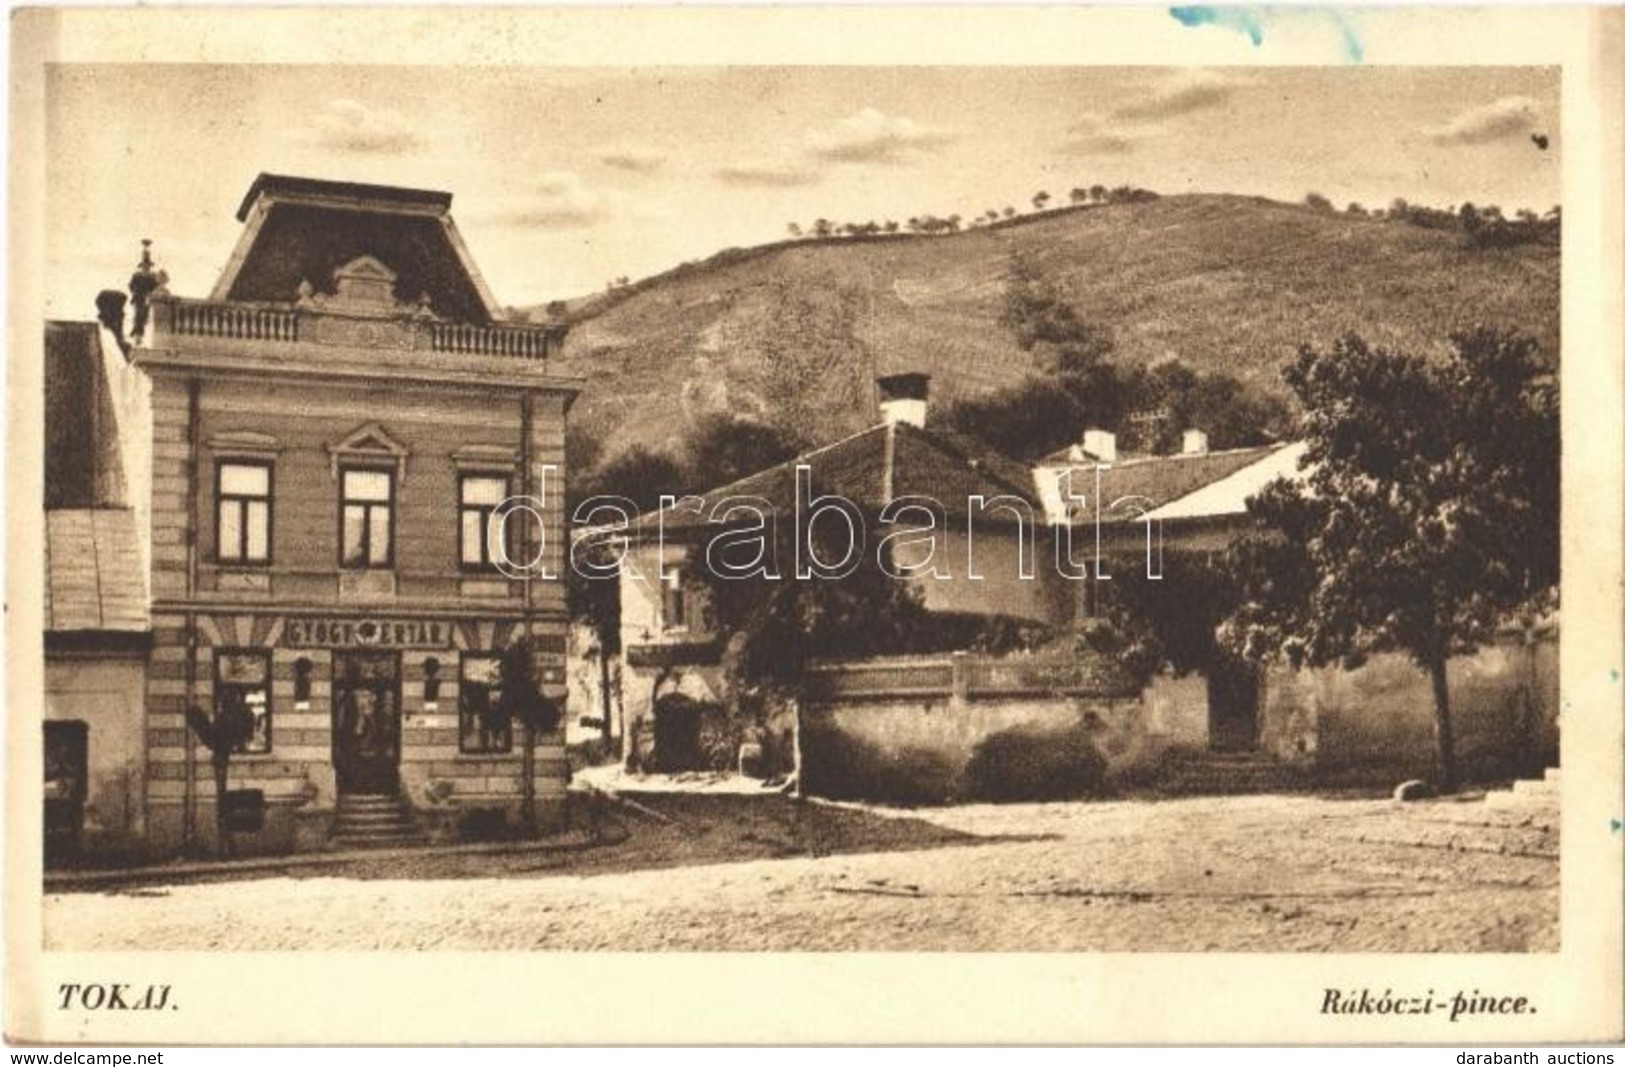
[(1471, 220), (1098, 193), (794, 229), (1040, 199), (823, 228), (1357, 208), (1044, 322), (640, 475), (1078, 195), (724, 448), (522, 702), (1428, 514), (777, 626), (224, 734), (1009, 212), (1027, 420), (1221, 405), (1317, 202)]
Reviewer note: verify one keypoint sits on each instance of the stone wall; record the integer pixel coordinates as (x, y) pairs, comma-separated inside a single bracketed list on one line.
[(944, 729), (1378, 718)]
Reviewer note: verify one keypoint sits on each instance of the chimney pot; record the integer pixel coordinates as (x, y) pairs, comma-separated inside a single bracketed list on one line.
[(1102, 444), (904, 398)]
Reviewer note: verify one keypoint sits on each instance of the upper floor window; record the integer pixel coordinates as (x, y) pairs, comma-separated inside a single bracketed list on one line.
[(367, 515), (243, 512), (477, 537)]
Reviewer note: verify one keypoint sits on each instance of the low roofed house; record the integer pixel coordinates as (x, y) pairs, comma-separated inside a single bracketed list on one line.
[(97, 624), (988, 529)]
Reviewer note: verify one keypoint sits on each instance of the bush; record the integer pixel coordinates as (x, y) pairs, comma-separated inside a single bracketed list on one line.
[(483, 824), (841, 767), (1018, 765)]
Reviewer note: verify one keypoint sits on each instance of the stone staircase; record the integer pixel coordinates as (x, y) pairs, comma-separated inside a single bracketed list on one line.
[(374, 820), (1533, 795), (1191, 773)]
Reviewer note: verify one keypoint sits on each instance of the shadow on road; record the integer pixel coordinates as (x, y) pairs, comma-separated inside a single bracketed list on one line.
[(701, 830)]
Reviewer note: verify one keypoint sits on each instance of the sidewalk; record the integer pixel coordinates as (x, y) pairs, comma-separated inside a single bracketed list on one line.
[(613, 778), (71, 881)]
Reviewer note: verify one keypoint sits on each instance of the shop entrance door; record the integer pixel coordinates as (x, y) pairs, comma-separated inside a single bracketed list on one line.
[(367, 721)]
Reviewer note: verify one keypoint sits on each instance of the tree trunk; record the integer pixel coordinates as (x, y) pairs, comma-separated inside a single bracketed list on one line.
[(222, 842), (605, 704), (527, 787), (1444, 733)]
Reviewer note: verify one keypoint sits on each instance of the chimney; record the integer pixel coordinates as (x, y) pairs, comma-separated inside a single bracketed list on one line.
[(1102, 444), (903, 398), (1195, 443)]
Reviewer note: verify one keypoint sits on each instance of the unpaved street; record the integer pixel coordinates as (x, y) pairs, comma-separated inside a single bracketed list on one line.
[(1240, 874)]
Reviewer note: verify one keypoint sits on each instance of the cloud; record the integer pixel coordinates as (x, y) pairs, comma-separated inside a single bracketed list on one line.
[(1094, 135), (635, 160), (351, 126), (557, 200), (870, 136), (780, 174), (1122, 129), (1195, 90), (866, 136), (1510, 116)]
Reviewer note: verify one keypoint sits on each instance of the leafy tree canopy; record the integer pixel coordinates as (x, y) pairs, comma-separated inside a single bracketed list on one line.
[(1428, 514)]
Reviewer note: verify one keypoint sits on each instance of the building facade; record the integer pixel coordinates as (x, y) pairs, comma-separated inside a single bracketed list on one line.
[(329, 435)]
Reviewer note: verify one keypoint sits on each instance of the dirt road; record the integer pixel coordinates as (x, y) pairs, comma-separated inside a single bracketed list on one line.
[(1239, 874)]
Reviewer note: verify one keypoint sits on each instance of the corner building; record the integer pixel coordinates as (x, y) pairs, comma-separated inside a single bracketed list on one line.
[(330, 432)]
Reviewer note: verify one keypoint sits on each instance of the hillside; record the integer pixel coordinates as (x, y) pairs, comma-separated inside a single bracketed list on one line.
[(798, 330)]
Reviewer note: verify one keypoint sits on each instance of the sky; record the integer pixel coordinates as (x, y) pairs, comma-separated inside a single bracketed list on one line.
[(565, 178)]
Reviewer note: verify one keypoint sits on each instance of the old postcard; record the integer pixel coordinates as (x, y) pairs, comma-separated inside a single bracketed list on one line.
[(815, 525)]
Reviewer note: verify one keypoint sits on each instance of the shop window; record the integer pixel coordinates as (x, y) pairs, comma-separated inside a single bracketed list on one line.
[(242, 685), (367, 510), (477, 533), (481, 728), (243, 512)]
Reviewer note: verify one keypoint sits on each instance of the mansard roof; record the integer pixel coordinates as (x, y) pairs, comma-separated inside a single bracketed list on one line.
[(303, 230)]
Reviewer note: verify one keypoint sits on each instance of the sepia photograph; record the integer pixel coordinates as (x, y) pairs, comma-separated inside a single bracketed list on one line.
[(1075, 509)]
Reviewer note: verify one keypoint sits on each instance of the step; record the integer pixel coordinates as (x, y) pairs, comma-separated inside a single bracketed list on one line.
[(391, 819), (394, 841), (1510, 799), (1542, 787), (374, 820), (1554, 774)]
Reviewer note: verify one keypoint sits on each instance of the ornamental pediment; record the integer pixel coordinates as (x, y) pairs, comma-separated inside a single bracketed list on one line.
[(363, 286)]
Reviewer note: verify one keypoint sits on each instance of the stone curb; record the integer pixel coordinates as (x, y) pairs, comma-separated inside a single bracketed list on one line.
[(68, 881)]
